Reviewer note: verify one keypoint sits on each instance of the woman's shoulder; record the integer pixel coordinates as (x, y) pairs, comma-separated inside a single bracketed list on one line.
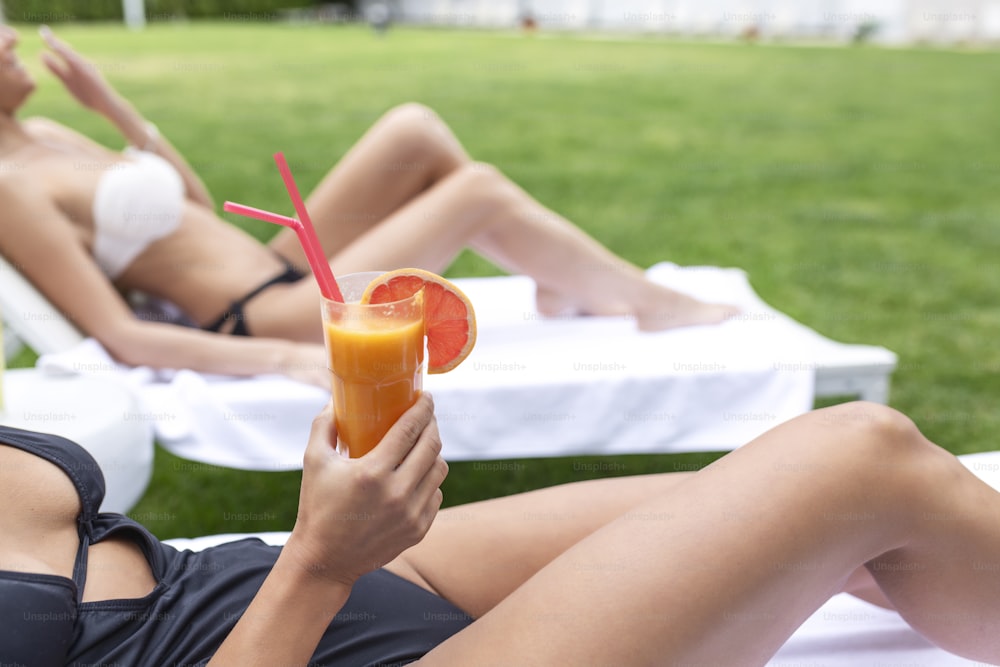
[(48, 167), (18, 169), (40, 127), (61, 139)]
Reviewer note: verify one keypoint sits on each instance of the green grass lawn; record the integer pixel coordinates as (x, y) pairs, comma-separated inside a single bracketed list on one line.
[(857, 187)]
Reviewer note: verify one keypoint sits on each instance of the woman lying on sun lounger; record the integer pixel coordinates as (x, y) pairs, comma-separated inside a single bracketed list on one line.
[(716, 567), (144, 221)]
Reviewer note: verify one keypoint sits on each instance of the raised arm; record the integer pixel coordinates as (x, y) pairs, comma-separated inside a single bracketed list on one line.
[(93, 91), (330, 546), (37, 238)]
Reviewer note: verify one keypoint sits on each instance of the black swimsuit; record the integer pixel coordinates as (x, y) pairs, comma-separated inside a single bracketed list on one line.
[(197, 600), (235, 311)]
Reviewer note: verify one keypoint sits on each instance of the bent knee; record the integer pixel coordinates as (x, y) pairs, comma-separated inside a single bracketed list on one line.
[(414, 124), (877, 432), (481, 177), (417, 134), (410, 112), (875, 419), (485, 184)]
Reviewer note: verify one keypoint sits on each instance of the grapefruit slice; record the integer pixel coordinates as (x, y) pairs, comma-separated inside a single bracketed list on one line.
[(449, 319)]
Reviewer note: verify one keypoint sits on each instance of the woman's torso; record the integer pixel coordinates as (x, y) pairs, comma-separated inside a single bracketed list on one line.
[(202, 266), (146, 603), (81, 587)]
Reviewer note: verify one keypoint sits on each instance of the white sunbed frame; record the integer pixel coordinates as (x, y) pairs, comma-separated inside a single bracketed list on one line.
[(28, 316)]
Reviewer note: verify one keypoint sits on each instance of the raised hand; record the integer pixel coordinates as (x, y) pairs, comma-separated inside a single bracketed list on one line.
[(80, 77), (356, 515)]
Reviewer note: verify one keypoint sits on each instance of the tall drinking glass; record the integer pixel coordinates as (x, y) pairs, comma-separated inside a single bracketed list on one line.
[(376, 355)]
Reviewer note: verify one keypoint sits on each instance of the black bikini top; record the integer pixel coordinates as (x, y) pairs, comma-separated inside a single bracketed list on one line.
[(38, 612)]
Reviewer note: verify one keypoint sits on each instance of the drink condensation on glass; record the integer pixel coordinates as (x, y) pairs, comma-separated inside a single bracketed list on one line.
[(376, 356)]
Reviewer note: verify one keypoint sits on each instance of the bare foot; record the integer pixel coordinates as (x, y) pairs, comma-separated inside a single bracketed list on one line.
[(679, 310), (551, 303), (661, 308)]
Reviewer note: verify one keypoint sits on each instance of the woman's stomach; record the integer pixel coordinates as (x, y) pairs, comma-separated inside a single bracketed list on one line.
[(202, 267)]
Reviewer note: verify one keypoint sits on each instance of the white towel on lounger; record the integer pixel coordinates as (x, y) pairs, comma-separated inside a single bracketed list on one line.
[(532, 387)]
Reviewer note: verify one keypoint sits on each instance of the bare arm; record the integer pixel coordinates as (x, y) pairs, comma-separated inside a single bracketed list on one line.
[(325, 553), (160, 345), (93, 91), (37, 237)]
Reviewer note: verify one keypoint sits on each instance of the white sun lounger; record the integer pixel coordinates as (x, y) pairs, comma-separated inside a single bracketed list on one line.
[(29, 317), (532, 386)]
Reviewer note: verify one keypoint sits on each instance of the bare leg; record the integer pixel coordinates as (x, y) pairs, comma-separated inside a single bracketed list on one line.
[(477, 554), (405, 152), (730, 560), (408, 195)]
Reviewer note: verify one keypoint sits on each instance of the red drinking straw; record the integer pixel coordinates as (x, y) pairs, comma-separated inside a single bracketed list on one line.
[(303, 230), (261, 214)]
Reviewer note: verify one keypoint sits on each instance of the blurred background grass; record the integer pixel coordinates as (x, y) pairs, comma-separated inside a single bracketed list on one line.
[(858, 187)]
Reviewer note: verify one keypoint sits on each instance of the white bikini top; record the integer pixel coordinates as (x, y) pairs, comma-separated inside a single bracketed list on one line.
[(137, 202)]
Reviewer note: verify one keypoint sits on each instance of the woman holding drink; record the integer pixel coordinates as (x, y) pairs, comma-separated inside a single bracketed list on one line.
[(716, 567), (143, 222)]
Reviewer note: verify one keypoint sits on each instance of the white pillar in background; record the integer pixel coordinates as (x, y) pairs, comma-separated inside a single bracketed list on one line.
[(135, 13)]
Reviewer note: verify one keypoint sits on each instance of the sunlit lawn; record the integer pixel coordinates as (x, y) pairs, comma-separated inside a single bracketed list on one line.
[(858, 187)]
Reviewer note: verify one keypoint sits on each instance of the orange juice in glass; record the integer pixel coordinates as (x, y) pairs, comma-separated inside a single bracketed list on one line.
[(376, 355)]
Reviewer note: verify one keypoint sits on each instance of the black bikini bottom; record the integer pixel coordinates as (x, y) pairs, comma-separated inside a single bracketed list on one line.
[(235, 311)]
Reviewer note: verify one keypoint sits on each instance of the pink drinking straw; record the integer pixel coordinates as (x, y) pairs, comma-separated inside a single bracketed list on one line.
[(303, 230)]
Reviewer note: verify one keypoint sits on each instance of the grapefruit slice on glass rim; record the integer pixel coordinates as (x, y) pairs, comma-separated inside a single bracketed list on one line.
[(449, 319)]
